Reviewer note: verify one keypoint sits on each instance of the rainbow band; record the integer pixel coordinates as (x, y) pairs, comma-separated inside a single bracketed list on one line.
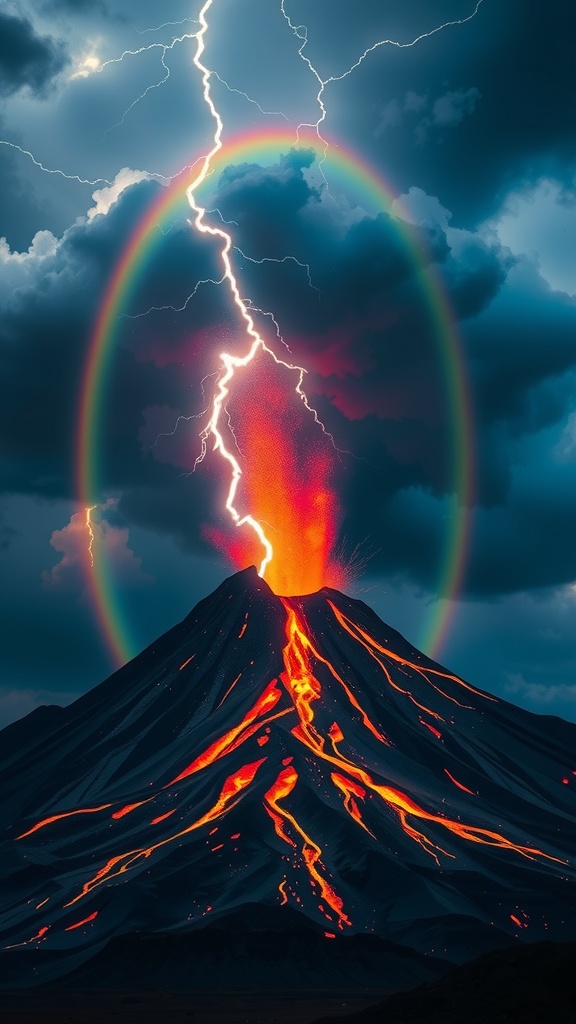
[(264, 148)]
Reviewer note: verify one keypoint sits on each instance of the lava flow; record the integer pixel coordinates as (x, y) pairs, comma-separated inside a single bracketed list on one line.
[(305, 689), (299, 735)]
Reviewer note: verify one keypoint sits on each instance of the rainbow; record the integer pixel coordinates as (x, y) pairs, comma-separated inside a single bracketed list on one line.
[(357, 177)]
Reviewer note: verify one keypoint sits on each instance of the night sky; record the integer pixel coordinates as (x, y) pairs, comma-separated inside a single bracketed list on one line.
[(471, 133)]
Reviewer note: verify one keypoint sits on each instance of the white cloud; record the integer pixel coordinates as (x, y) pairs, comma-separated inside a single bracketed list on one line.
[(17, 269), (20, 269), (88, 537), (417, 207), (105, 197), (539, 221)]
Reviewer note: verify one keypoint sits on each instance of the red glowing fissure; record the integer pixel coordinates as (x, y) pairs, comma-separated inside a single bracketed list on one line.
[(85, 920)]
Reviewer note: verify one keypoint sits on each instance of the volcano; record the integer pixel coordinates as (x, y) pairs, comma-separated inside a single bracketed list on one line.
[(284, 765)]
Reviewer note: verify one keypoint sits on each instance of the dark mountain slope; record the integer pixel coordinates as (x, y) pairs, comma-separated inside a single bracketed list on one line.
[(296, 755)]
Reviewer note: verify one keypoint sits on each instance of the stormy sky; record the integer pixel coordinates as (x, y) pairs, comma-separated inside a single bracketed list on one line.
[(472, 129)]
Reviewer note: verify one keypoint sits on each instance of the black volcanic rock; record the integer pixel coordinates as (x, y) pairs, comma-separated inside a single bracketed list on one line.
[(295, 758), (216, 959), (532, 985)]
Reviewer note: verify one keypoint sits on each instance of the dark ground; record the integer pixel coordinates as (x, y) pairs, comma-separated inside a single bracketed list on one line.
[(533, 984), (163, 1008)]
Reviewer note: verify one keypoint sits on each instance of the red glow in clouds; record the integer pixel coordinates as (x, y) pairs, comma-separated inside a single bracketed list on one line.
[(288, 463)]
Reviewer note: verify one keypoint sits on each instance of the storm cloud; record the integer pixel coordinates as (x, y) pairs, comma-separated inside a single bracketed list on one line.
[(27, 60), (471, 131)]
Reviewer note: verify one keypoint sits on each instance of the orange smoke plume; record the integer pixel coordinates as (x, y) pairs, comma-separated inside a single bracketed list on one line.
[(288, 465)]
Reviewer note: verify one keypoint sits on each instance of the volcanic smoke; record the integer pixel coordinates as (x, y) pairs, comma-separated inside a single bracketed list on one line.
[(288, 485)]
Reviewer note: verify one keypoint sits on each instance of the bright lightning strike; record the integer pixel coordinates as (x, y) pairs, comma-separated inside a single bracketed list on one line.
[(90, 529), (229, 363), (87, 67)]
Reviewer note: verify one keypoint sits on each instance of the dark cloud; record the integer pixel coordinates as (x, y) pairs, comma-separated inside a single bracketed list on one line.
[(21, 210), (377, 376), (75, 6), (27, 60), (445, 111), (475, 277), (473, 128), (7, 532), (526, 544), (520, 647), (364, 328), (513, 371), (515, 64), (47, 322)]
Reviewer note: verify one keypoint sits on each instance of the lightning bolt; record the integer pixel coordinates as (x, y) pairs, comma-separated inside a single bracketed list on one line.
[(193, 416), (230, 88), (174, 309), (301, 33), (167, 24), (164, 47), (284, 259), (55, 170), (230, 363), (90, 529)]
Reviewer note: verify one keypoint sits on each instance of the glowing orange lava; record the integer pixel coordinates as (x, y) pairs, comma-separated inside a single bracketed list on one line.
[(371, 645), (311, 852), (118, 865), (130, 807), (305, 688), (351, 789), (85, 920), (460, 785), (35, 938), (265, 702), (59, 817)]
